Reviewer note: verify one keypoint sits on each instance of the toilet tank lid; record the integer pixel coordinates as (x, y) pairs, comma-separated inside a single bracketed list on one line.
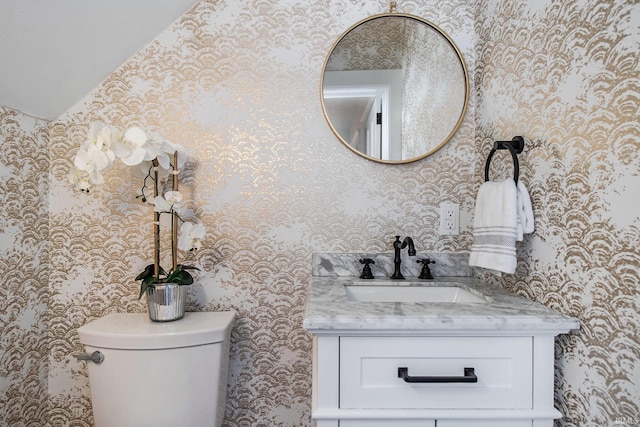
[(134, 331)]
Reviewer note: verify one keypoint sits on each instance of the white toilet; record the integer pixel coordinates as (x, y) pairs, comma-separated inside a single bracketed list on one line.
[(158, 374)]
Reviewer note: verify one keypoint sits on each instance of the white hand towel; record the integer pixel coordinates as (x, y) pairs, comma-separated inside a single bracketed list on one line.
[(525, 212), (495, 225)]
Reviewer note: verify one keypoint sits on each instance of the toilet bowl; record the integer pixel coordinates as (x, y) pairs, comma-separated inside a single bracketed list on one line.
[(158, 374)]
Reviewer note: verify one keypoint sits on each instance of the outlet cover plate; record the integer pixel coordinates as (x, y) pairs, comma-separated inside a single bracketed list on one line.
[(449, 219)]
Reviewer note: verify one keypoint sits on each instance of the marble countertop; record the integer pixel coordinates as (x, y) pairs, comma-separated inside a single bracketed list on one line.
[(329, 311)]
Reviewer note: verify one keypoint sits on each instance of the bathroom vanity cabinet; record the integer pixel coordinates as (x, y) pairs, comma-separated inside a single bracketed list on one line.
[(468, 364), (356, 382)]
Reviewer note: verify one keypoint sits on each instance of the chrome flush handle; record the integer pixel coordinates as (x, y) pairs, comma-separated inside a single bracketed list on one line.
[(96, 357)]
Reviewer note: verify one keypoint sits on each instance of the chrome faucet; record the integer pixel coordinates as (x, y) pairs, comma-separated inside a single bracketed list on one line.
[(397, 246)]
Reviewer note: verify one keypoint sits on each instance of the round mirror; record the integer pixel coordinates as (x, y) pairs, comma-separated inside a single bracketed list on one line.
[(394, 88)]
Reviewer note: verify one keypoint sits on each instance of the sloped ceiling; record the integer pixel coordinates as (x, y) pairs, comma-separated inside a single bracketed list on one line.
[(54, 52)]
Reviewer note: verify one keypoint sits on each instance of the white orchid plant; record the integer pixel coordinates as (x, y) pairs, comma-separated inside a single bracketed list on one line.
[(161, 160)]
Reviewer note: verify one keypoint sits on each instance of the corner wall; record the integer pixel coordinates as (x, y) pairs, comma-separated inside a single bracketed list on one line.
[(566, 75), (24, 338)]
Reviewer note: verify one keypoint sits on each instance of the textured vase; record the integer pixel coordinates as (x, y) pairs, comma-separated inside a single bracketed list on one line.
[(166, 301)]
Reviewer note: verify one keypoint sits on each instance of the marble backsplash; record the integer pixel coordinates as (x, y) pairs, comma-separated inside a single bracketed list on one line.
[(348, 264)]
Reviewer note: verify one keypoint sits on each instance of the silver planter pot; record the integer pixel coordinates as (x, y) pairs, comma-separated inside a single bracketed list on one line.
[(166, 301)]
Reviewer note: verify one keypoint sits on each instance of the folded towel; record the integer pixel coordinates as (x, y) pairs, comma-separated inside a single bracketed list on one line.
[(495, 226), (525, 212)]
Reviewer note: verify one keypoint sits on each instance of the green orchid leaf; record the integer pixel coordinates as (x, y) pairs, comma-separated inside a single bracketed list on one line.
[(146, 282), (143, 289), (181, 277), (148, 272)]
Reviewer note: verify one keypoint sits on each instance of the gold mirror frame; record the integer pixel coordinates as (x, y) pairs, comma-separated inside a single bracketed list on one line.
[(429, 149)]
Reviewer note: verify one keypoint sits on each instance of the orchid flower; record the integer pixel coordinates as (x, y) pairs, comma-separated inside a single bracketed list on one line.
[(153, 149), (191, 236), (171, 148), (79, 179), (130, 149), (171, 201), (103, 137), (92, 160), (91, 157)]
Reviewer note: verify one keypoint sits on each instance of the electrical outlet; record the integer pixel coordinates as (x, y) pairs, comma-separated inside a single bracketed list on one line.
[(449, 219)]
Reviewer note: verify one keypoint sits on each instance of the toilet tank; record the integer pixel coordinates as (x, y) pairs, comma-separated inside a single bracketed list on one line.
[(159, 374)]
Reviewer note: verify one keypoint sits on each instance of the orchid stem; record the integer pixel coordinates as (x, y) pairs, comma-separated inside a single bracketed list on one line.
[(144, 185), (174, 216), (156, 226)]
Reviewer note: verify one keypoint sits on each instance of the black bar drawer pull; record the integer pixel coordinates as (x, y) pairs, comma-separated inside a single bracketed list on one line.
[(469, 377)]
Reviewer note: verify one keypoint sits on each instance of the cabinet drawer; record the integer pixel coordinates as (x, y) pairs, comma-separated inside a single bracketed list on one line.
[(387, 423), (484, 423), (369, 372)]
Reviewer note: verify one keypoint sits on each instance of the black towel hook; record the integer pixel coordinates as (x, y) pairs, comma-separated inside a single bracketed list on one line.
[(515, 147)]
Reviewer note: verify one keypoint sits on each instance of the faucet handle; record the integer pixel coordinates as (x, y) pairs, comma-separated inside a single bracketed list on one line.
[(426, 272), (366, 271)]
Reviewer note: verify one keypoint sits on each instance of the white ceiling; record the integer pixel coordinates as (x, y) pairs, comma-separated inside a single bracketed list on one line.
[(54, 52)]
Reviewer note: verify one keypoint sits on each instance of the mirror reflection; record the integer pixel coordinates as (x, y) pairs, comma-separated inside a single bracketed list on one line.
[(395, 88)]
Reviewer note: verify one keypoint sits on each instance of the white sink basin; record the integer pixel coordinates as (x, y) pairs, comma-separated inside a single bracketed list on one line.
[(412, 293)]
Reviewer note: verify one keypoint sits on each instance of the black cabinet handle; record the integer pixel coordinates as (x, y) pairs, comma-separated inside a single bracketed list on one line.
[(469, 377)]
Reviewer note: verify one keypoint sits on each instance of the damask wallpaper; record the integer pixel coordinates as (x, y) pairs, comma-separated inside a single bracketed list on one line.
[(237, 82)]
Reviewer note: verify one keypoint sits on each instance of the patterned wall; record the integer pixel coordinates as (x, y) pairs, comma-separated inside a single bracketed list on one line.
[(566, 74), (237, 81), (24, 348)]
